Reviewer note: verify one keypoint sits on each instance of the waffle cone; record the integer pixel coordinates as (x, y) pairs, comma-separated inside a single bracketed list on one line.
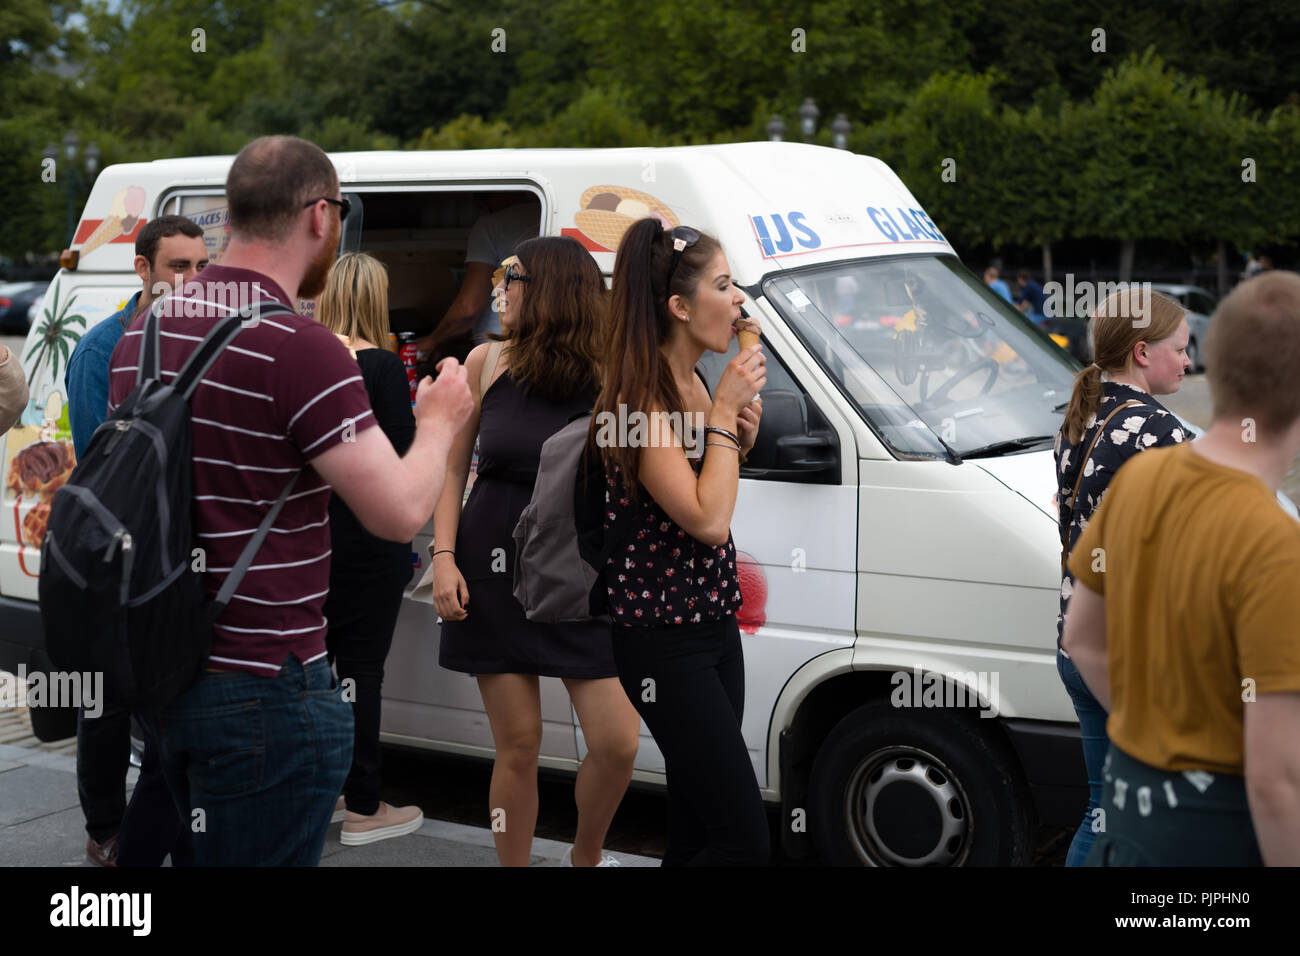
[(747, 338), (108, 230), (607, 227)]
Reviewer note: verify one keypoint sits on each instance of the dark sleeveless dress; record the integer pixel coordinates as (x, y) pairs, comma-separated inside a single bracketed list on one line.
[(496, 637)]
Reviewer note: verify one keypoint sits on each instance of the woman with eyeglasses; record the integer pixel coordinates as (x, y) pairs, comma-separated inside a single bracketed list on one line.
[(538, 374), (672, 587)]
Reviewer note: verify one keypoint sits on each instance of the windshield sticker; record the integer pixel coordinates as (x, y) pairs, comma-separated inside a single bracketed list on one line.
[(608, 212)]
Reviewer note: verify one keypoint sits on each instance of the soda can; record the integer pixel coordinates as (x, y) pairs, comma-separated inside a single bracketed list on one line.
[(406, 351)]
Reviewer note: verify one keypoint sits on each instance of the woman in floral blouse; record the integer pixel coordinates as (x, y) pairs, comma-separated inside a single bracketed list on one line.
[(672, 587), (1140, 344)]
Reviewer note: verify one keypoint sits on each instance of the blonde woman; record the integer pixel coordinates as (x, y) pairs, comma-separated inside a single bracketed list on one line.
[(367, 574), (1140, 344)]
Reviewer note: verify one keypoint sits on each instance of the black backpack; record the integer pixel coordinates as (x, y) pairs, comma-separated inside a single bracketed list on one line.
[(118, 591)]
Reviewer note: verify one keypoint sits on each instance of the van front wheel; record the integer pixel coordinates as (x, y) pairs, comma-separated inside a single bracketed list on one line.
[(917, 788)]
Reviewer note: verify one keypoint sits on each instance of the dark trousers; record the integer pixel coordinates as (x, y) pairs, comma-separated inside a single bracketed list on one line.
[(152, 827), (362, 613), (103, 758), (693, 709)]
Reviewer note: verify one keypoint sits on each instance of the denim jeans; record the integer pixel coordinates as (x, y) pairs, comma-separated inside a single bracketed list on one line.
[(1092, 728), (256, 763)]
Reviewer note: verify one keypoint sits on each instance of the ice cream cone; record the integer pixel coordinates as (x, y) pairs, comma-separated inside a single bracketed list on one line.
[(107, 231), (607, 225), (747, 338)]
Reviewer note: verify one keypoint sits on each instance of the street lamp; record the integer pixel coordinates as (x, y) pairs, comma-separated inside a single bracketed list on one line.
[(808, 114), (840, 131), (74, 182), (776, 129)]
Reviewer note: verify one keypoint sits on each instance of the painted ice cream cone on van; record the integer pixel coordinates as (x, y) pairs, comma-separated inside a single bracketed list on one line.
[(608, 212), (123, 214)]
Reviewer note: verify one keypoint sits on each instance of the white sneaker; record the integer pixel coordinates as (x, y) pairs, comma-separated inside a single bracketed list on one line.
[(605, 859), (340, 808)]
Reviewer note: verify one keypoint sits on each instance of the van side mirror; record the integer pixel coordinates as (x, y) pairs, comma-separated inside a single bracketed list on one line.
[(786, 447)]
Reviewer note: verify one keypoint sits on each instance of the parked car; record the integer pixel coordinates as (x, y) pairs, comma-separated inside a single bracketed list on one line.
[(16, 300), (1200, 306), (1072, 335)]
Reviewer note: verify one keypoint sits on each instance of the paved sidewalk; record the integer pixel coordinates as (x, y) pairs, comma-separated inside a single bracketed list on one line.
[(41, 822)]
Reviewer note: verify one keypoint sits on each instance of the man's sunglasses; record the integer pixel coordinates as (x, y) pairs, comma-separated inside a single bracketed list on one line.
[(513, 276), (344, 205), (683, 238)]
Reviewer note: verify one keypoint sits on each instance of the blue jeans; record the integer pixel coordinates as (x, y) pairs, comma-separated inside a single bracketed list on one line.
[(1092, 728), (256, 763)]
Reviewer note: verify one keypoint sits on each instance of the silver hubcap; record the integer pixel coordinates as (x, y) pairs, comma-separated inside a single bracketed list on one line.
[(904, 807)]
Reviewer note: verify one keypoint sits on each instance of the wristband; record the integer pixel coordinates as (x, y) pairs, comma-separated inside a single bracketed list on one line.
[(714, 430), (443, 551)]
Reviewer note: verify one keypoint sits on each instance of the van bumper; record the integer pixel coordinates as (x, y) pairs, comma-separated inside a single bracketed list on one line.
[(1052, 757)]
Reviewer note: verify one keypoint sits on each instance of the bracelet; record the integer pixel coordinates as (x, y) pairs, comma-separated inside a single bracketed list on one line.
[(722, 444), (443, 551), (714, 430)]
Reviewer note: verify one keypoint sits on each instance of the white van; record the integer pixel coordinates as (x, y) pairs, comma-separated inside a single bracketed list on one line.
[(896, 523)]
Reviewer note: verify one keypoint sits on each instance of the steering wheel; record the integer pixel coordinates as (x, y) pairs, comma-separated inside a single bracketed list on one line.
[(961, 375)]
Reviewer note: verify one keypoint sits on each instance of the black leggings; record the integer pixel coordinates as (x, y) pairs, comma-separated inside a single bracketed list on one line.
[(362, 613), (693, 709)]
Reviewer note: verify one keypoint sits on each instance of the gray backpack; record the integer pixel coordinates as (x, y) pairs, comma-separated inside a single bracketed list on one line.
[(561, 547)]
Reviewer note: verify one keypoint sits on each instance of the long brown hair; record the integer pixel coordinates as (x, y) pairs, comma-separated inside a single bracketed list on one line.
[(354, 302), (555, 344), (634, 372), (1114, 334)]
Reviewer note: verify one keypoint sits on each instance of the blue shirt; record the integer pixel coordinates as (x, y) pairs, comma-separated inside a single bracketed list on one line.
[(1000, 287), (86, 379)]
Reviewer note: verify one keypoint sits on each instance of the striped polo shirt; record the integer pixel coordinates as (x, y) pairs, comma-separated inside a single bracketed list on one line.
[(284, 391)]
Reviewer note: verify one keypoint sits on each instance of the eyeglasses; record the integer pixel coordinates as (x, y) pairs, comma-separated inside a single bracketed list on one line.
[(344, 205), (683, 238), (513, 276)]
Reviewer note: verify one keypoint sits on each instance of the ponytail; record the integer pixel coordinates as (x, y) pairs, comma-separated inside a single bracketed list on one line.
[(635, 376), (1084, 401)]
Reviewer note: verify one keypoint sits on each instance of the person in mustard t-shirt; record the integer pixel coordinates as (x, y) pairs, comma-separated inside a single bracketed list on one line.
[(1185, 623)]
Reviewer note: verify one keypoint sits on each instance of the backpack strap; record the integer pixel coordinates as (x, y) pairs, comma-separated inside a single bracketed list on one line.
[(1074, 495), (150, 348), (490, 363), (218, 337)]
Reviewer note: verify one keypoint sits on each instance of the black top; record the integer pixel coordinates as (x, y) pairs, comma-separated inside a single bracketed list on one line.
[(355, 549), (1135, 429)]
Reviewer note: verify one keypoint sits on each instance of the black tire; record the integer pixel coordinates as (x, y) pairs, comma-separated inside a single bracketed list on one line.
[(942, 792)]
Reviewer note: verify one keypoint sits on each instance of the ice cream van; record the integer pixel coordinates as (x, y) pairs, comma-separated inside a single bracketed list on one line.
[(897, 538)]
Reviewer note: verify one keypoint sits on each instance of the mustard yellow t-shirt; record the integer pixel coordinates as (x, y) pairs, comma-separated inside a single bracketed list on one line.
[(1200, 568)]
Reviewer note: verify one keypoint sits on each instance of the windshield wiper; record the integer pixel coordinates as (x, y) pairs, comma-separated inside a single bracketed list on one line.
[(1015, 444)]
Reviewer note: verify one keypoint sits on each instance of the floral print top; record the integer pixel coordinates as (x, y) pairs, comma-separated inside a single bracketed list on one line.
[(663, 576), (1135, 429)]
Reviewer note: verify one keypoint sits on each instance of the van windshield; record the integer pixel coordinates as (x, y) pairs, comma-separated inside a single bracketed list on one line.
[(937, 362)]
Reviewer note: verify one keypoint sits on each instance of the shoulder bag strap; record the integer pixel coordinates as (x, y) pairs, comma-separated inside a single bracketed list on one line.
[(490, 362), (1074, 495)]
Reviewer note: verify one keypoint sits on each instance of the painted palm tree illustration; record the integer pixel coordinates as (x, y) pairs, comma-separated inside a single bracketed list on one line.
[(55, 337)]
